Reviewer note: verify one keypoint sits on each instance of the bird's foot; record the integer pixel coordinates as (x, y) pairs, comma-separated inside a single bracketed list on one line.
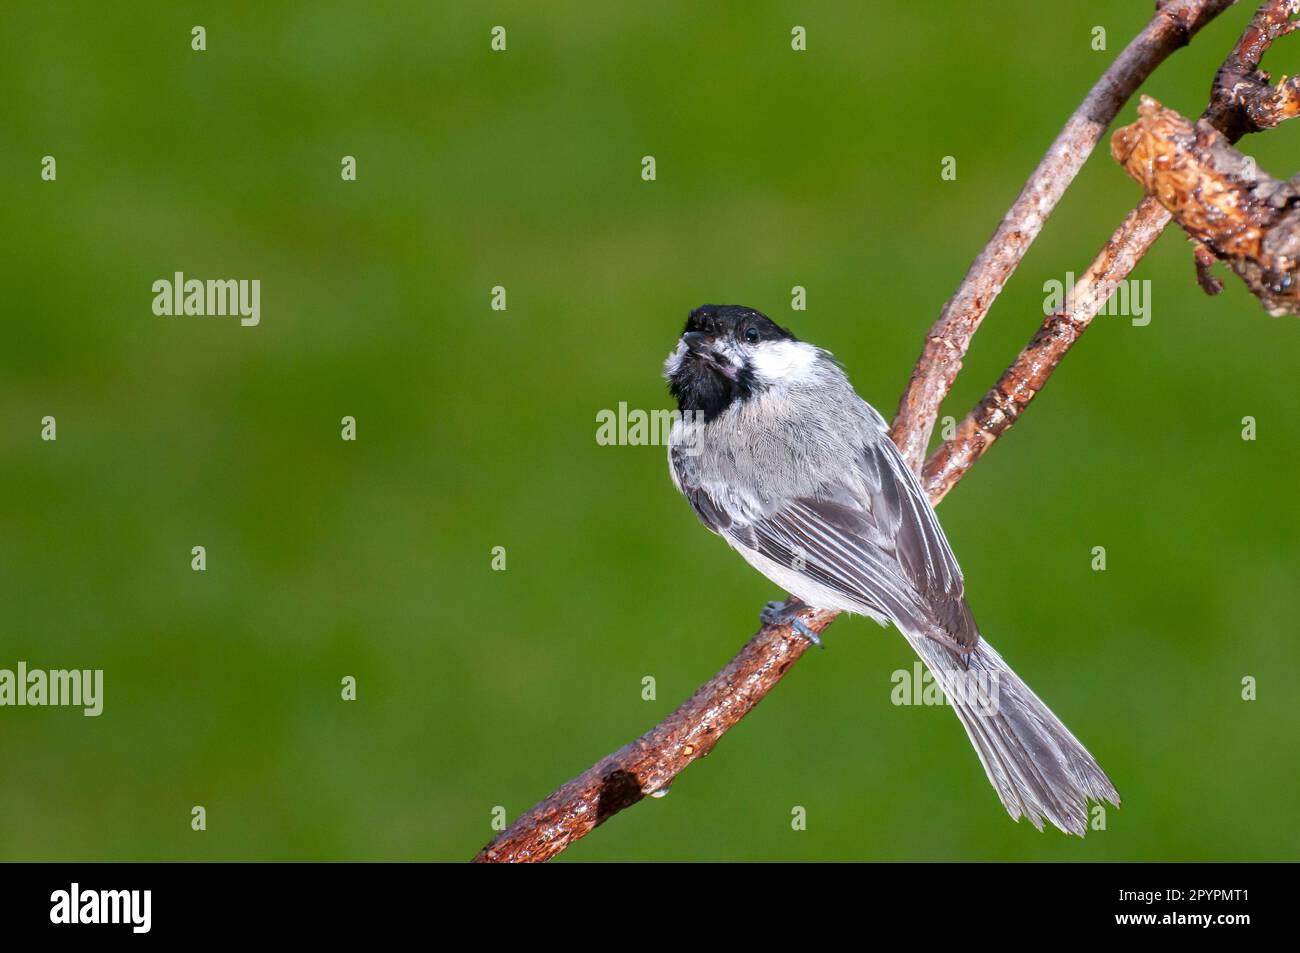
[(778, 613)]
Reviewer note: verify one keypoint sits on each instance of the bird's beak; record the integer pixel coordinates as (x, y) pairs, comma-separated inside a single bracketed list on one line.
[(696, 341), (701, 345)]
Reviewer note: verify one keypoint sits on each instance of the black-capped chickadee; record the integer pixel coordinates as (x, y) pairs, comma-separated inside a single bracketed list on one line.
[(779, 456)]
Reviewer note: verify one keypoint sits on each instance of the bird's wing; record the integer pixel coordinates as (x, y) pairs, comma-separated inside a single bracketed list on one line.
[(875, 539), (709, 507)]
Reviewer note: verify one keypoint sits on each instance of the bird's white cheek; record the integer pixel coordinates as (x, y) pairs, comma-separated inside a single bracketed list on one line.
[(782, 361)]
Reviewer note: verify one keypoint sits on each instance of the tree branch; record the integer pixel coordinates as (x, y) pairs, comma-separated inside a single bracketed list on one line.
[(648, 765), (1174, 24), (1240, 100), (1220, 198), (1020, 383)]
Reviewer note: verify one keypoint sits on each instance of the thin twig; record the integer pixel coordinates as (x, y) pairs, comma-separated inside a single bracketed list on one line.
[(648, 765), (1239, 101), (1242, 101), (1021, 382), (1174, 24)]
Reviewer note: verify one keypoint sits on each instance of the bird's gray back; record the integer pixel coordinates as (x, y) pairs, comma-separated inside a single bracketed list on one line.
[(809, 478)]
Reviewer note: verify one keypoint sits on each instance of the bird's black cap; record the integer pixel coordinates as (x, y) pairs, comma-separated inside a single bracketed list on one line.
[(734, 319)]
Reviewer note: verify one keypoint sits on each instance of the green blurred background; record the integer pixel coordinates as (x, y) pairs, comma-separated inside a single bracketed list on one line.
[(476, 429)]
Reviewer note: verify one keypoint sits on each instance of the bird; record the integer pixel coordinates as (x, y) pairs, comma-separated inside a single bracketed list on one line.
[(777, 454)]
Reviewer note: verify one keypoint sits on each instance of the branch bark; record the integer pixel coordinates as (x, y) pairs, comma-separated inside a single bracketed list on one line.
[(648, 765), (1220, 198), (1173, 26), (1020, 383), (1242, 101)]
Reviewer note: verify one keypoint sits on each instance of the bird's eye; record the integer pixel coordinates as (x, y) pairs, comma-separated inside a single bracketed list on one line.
[(751, 335)]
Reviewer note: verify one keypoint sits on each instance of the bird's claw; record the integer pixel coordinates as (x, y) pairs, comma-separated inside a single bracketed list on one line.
[(778, 613)]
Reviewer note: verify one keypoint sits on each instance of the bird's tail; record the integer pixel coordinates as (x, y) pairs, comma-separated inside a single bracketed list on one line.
[(1038, 768)]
